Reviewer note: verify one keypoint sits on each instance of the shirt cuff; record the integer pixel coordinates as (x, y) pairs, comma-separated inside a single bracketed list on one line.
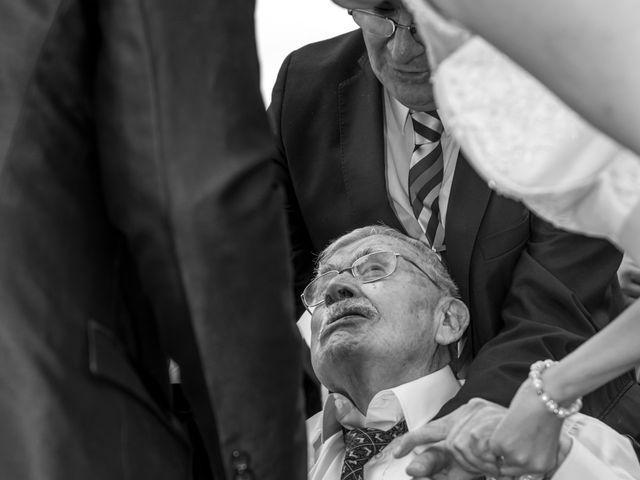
[(584, 464)]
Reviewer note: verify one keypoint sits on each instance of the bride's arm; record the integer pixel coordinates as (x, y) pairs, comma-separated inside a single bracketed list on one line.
[(586, 51)]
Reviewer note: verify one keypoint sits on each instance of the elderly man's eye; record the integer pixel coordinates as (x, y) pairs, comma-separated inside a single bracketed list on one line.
[(371, 268)]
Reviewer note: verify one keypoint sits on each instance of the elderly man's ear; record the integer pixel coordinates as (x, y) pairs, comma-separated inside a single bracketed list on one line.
[(452, 319)]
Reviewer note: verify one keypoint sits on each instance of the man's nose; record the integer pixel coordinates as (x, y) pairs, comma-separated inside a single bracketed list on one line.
[(404, 47), (340, 287)]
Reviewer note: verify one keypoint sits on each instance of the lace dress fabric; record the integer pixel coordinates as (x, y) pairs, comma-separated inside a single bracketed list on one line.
[(528, 145)]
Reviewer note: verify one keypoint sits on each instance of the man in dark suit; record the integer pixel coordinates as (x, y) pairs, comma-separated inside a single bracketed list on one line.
[(140, 222), (345, 112)]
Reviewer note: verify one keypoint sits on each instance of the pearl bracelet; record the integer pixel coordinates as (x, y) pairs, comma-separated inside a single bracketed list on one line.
[(535, 374)]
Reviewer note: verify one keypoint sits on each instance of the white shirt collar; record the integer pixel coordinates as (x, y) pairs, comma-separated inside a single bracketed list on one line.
[(400, 113), (417, 402)]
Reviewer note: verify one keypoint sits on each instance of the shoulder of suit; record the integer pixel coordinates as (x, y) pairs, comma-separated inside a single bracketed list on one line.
[(332, 55)]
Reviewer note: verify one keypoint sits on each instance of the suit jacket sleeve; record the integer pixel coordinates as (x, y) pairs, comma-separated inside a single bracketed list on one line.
[(185, 154)]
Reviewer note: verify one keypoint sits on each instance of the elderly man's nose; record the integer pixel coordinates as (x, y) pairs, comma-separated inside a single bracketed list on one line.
[(403, 46), (339, 288)]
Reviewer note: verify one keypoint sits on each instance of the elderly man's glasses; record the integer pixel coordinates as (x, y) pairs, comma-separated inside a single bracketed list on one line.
[(377, 24), (367, 269)]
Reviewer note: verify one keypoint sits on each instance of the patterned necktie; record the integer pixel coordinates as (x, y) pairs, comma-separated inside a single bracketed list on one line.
[(425, 176), (361, 444)]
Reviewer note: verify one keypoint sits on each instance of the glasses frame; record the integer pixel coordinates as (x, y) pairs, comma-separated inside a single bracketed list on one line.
[(395, 25), (358, 260)]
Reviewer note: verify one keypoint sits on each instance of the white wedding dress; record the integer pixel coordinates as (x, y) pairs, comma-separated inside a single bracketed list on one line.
[(530, 146)]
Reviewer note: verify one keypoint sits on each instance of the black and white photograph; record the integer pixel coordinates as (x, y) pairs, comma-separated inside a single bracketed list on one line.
[(319, 240)]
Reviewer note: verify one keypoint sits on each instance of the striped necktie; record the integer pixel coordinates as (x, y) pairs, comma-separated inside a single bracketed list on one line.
[(425, 176), (361, 444)]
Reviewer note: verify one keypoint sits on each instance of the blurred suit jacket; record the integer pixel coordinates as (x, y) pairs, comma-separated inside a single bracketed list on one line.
[(140, 221), (533, 291)]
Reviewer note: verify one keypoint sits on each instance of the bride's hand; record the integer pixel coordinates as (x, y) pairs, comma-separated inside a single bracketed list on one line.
[(441, 37), (529, 436)]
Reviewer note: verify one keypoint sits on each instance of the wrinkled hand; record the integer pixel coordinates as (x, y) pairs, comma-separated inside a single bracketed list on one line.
[(440, 464), (458, 444), (528, 437), (629, 277)]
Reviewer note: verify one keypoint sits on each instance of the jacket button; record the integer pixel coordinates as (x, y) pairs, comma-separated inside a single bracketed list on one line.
[(241, 465)]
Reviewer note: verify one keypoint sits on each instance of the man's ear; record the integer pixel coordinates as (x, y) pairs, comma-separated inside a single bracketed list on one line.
[(452, 316)]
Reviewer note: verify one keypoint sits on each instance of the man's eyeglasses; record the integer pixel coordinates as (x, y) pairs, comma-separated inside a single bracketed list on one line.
[(367, 269), (377, 24)]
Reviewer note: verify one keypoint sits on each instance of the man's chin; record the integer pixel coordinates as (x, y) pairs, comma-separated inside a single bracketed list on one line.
[(418, 104), (342, 335), (338, 349), (415, 97)]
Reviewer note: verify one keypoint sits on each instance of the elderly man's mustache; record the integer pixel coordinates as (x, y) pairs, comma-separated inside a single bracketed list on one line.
[(360, 306)]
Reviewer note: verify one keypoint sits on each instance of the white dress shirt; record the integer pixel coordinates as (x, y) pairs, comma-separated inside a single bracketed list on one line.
[(598, 452), (417, 402), (399, 144)]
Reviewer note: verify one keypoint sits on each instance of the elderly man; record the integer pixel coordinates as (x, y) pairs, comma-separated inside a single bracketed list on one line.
[(384, 311), (361, 142)]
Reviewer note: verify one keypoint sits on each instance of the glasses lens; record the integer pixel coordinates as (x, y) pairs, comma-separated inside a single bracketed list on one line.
[(314, 292), (375, 266), (372, 23)]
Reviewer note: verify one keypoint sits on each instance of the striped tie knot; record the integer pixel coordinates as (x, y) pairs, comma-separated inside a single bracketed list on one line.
[(427, 127)]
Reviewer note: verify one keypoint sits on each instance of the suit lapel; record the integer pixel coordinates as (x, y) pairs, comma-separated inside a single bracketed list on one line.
[(362, 148), (467, 203)]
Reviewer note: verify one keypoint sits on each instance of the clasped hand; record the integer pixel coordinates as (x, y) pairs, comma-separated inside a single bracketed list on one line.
[(482, 438)]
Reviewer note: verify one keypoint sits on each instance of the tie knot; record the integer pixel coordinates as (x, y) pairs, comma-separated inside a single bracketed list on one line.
[(361, 444), (372, 436), (427, 127)]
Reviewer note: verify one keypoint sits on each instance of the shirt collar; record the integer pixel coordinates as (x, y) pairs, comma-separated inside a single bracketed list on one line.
[(400, 113), (417, 402)]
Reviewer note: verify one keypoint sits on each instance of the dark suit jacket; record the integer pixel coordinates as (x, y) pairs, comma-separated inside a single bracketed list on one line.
[(533, 291), (139, 221)]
